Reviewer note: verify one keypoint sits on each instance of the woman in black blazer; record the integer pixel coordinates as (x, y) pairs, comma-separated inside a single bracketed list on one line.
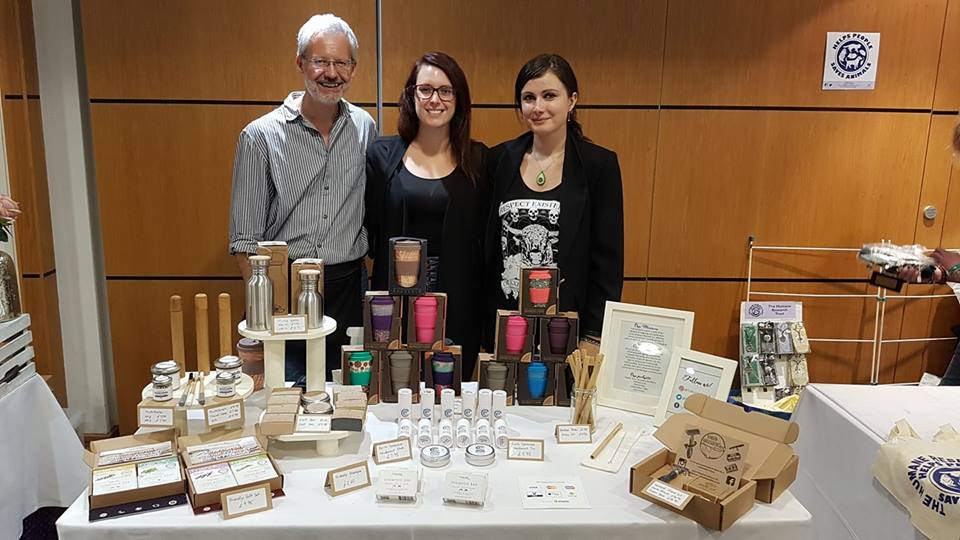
[(557, 201), (430, 182)]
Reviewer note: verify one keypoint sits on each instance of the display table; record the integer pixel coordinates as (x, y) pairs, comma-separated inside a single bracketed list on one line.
[(42, 456), (841, 428), (307, 511)]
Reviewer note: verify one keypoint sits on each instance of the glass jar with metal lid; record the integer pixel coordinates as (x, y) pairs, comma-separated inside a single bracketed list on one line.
[(226, 384), (229, 364), (162, 388), (169, 368)]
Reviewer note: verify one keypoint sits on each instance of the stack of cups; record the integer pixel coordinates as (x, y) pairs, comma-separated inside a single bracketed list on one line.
[(516, 333), (381, 315), (539, 283), (425, 318)]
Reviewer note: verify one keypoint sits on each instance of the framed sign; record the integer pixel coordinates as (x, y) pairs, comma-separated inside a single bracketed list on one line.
[(693, 372), (637, 346)]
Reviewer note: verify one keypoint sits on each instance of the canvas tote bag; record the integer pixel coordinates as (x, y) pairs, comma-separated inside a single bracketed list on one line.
[(925, 477)]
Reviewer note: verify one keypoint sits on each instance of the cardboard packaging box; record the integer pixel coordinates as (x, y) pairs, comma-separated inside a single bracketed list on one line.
[(210, 501), (278, 423), (510, 385), (350, 409), (439, 328), (278, 273), (387, 393), (771, 465), (428, 378), (295, 268), (394, 343), (102, 506), (524, 397), (563, 374), (372, 390), (546, 352), (420, 286), (526, 352), (551, 293)]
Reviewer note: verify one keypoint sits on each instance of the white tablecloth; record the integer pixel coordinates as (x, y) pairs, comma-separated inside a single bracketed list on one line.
[(307, 511), (41, 455), (841, 428)]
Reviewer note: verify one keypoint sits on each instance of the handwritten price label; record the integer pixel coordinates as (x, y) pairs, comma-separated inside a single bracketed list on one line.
[(155, 416), (246, 501)]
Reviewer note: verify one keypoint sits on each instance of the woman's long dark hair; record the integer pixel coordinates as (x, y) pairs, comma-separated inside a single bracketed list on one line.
[(408, 125), (537, 67)]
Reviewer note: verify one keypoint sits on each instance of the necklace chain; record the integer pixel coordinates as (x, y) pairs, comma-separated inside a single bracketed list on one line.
[(542, 177)]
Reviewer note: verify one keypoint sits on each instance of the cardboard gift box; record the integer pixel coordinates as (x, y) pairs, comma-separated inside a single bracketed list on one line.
[(510, 385), (546, 352), (563, 374), (387, 394), (174, 490), (210, 501), (278, 272), (373, 389), (550, 301), (439, 328), (524, 397), (420, 286), (295, 268), (500, 347), (394, 341), (428, 378)]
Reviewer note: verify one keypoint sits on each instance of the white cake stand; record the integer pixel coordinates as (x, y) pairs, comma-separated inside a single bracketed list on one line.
[(274, 357), (244, 389)]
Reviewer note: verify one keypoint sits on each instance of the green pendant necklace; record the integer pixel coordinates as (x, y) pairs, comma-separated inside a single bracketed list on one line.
[(542, 177)]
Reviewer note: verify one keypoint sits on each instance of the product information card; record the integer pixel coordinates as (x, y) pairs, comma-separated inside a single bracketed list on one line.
[(212, 477), (158, 472), (313, 423), (552, 492), (114, 479), (668, 494), (465, 488), (253, 469)]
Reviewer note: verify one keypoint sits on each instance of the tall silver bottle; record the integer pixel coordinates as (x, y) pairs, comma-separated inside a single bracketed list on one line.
[(259, 294), (309, 302)]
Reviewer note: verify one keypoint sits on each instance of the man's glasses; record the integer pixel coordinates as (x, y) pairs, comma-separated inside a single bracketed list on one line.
[(320, 64)]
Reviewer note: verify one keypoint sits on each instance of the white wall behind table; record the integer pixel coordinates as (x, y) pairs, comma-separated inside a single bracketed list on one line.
[(841, 429)]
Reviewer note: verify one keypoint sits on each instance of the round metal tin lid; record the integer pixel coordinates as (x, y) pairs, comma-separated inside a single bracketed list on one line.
[(225, 378), (167, 367), (480, 455), (434, 455), (228, 362), (314, 397)]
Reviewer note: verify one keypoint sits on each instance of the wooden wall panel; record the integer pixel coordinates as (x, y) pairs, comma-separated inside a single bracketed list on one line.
[(948, 77), (634, 292), (756, 52), (927, 319), (11, 62), (716, 306), (29, 48), (615, 46), (167, 186), (218, 49), (939, 165), (140, 329), (791, 178), (39, 298), (489, 126)]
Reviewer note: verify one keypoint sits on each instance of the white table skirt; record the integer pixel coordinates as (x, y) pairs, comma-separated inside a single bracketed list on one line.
[(841, 428), (308, 511), (41, 455)]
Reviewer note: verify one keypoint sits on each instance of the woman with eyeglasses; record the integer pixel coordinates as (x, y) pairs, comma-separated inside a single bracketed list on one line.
[(557, 201), (429, 182)]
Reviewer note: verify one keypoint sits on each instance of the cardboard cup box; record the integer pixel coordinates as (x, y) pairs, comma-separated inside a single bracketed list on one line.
[(373, 390), (420, 287), (295, 268), (394, 343), (526, 353), (563, 374), (210, 501), (436, 343), (510, 386), (546, 353), (523, 388), (387, 395), (133, 495), (278, 273), (718, 515), (527, 307), (457, 352)]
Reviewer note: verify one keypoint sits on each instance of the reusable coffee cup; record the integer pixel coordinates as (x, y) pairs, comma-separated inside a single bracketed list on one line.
[(516, 333), (381, 317), (537, 380), (400, 370), (425, 318), (496, 376), (539, 283), (558, 332), (360, 368), (406, 256), (443, 364)]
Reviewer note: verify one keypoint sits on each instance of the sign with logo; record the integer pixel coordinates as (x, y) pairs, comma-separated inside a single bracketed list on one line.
[(850, 61), (937, 481), (770, 311)]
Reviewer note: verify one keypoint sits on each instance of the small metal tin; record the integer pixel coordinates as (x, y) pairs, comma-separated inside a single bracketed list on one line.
[(169, 368), (229, 364), (226, 384), (480, 455), (320, 407), (162, 388), (434, 456)]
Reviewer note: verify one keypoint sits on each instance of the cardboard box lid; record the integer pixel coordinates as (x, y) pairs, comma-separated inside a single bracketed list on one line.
[(187, 441), (129, 441), (767, 436)]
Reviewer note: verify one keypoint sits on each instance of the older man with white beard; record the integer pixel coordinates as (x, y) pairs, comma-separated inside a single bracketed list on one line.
[(299, 176)]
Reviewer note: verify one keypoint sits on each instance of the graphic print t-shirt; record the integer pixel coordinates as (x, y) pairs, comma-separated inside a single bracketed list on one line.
[(529, 232)]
